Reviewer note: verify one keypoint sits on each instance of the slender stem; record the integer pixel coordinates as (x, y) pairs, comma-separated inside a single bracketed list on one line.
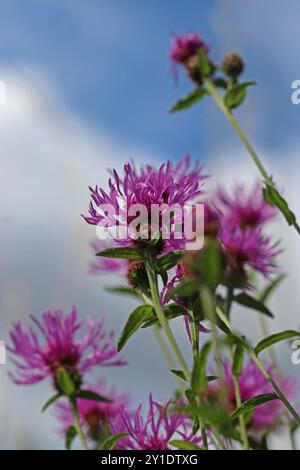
[(238, 399), (152, 277), (210, 87), (194, 328), (260, 366), (77, 426)]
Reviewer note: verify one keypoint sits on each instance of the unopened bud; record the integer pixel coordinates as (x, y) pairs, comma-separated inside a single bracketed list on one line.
[(233, 65)]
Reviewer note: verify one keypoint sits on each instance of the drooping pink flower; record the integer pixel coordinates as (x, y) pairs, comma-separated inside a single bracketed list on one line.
[(94, 416), (156, 429), (245, 208), (100, 265), (169, 185), (252, 383), (53, 345), (185, 46), (249, 248)]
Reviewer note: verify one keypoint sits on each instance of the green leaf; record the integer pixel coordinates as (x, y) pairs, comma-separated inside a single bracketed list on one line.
[(168, 261), (70, 436), (211, 264), (51, 401), (111, 441), (205, 65), (184, 445), (123, 290), (135, 320), (275, 338), (220, 83), (189, 100), (178, 373), (238, 360), (252, 403), (236, 95), (121, 252), (199, 380), (65, 383), (250, 302), (265, 294), (171, 311), (88, 395), (274, 198)]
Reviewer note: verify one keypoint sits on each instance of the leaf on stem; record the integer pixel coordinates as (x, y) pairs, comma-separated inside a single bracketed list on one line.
[(266, 293), (199, 379), (252, 403), (274, 198), (247, 301), (135, 320), (170, 311), (275, 338), (89, 395), (70, 436), (111, 441), (238, 360), (189, 100), (184, 445), (121, 252), (236, 95), (51, 401)]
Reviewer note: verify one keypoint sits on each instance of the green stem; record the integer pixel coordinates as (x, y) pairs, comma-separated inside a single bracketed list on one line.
[(238, 399), (152, 277), (260, 366), (77, 426), (217, 97)]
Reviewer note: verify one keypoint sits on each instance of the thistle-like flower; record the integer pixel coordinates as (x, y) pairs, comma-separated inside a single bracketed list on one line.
[(52, 347), (156, 430)]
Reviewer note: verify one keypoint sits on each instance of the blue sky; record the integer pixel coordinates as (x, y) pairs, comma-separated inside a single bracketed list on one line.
[(109, 60)]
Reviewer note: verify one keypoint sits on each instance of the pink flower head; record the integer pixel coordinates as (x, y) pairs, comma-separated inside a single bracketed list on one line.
[(169, 185), (154, 431), (101, 265), (249, 248), (94, 415), (245, 208), (185, 46), (59, 348), (252, 383)]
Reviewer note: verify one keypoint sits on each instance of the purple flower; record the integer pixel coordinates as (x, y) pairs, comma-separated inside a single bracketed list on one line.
[(154, 431), (101, 265), (252, 383), (185, 46), (249, 248), (94, 415), (169, 185), (52, 346), (245, 208)]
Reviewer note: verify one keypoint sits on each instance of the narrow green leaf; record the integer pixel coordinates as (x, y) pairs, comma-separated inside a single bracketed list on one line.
[(252, 403), (236, 95), (168, 261), (205, 65), (189, 100), (250, 302), (123, 290), (266, 293), (70, 436), (184, 445), (238, 360), (121, 252), (275, 338), (65, 383), (171, 311), (199, 380), (51, 401), (178, 373), (89, 395), (274, 198), (111, 441), (184, 289), (135, 320)]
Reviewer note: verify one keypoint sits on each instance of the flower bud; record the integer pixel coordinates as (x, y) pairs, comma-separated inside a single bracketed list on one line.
[(233, 65), (137, 275)]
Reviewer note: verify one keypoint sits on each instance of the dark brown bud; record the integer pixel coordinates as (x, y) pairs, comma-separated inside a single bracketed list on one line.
[(193, 70), (137, 275), (233, 65)]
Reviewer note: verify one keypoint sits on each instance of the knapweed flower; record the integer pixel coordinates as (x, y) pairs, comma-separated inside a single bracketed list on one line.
[(94, 416), (244, 208), (156, 429), (53, 346), (137, 192), (252, 382), (249, 248), (185, 46), (101, 265)]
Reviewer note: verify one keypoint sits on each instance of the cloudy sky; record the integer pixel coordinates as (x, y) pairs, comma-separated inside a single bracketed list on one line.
[(88, 86)]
